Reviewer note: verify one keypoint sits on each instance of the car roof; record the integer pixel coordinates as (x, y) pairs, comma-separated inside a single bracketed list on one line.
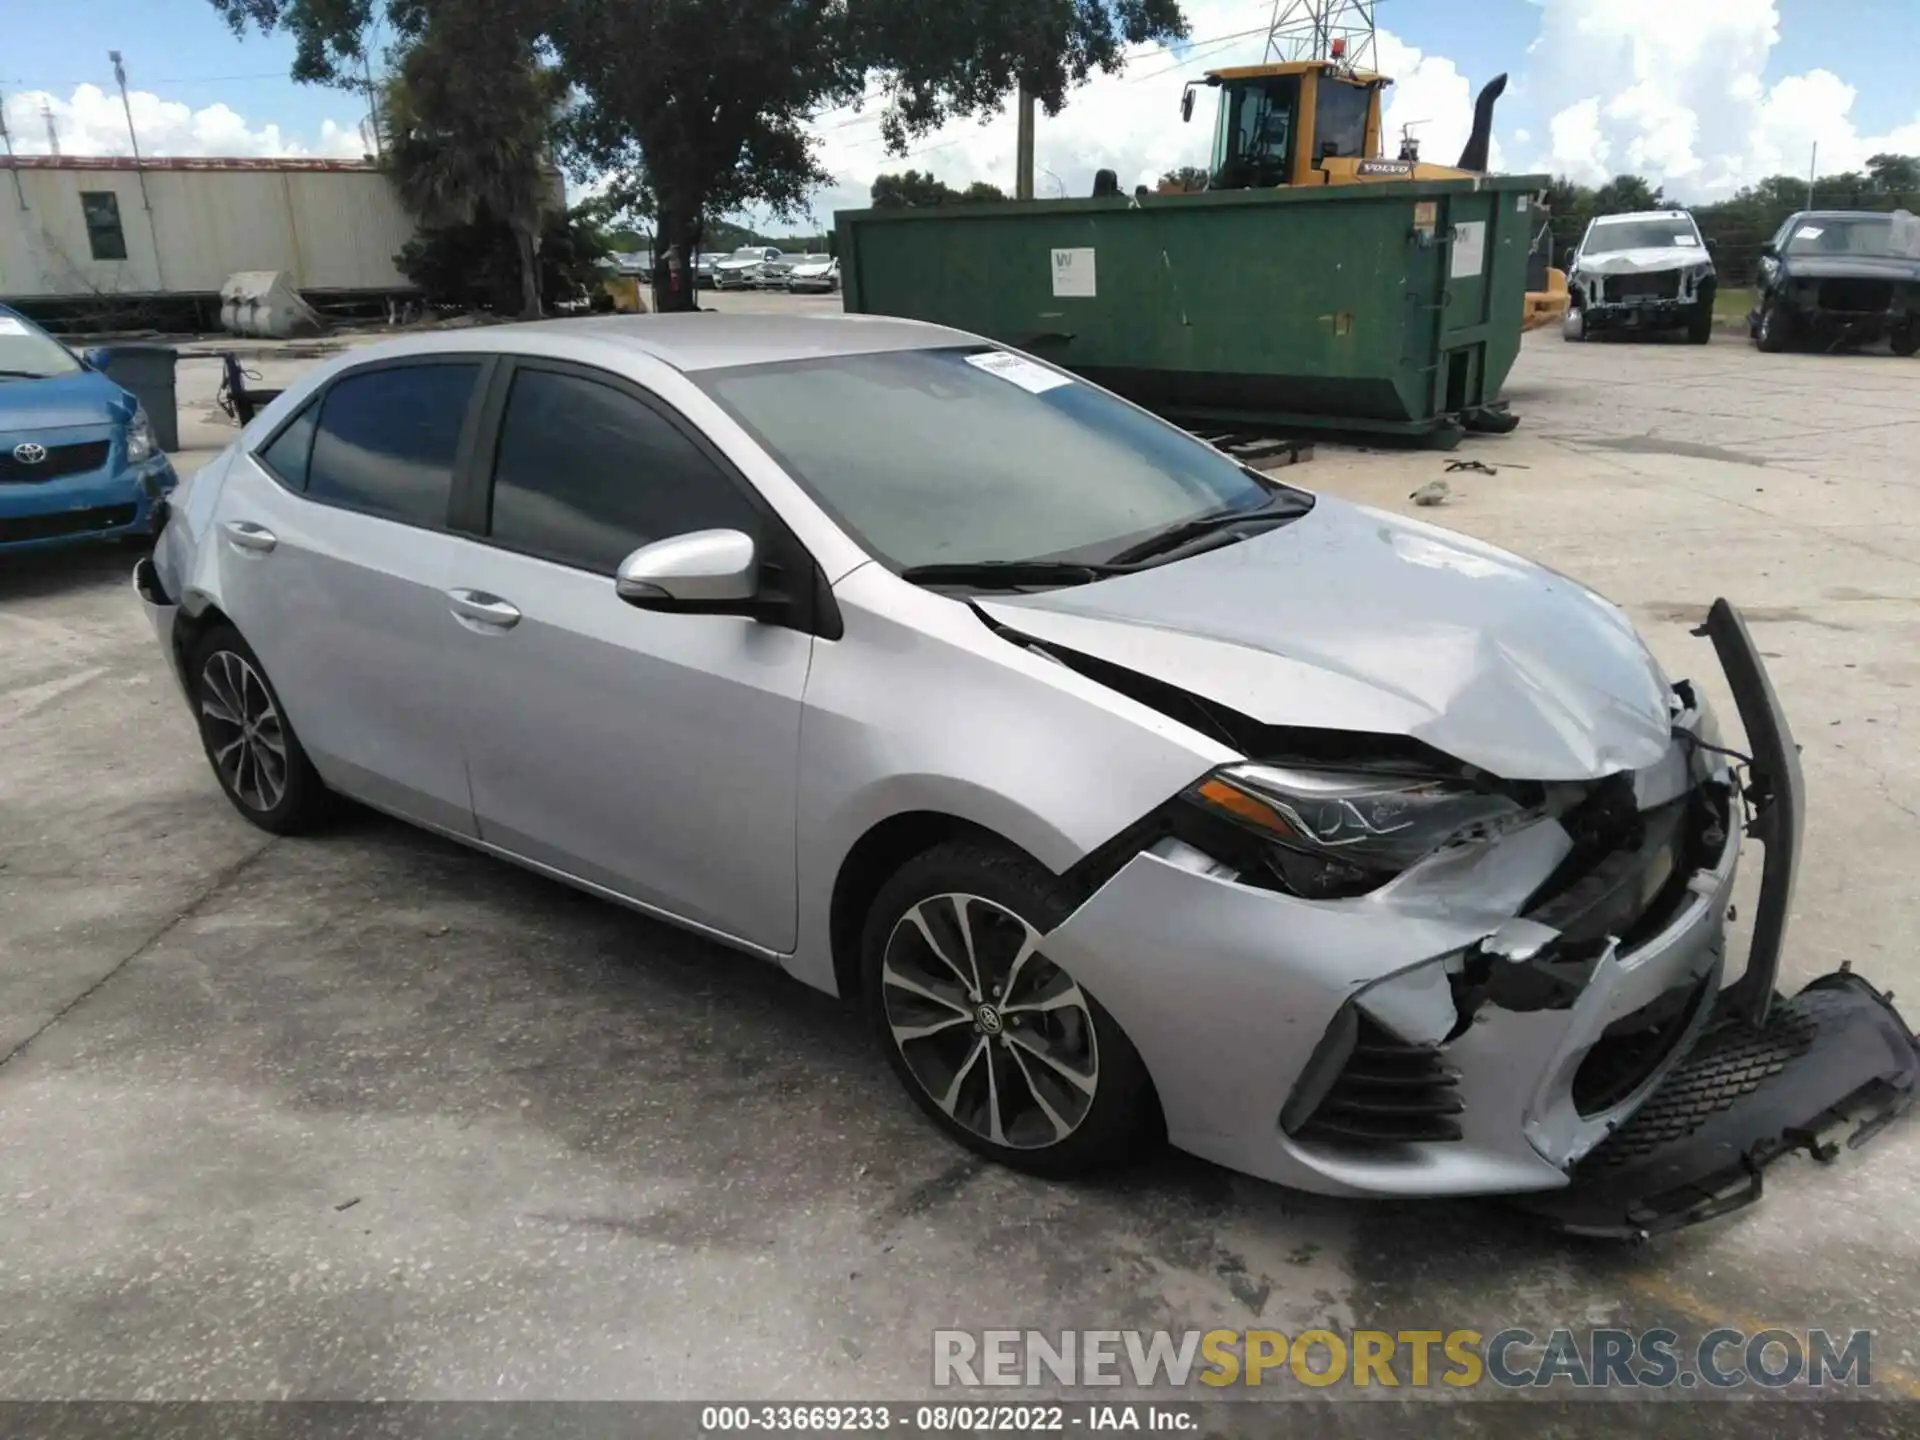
[(1843, 215), (703, 340), (1644, 215)]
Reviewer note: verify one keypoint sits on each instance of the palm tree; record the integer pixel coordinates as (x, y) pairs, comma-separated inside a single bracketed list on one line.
[(467, 118)]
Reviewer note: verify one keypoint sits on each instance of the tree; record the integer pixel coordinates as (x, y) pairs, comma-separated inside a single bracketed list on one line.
[(1184, 180), (1626, 193), (1895, 174), (699, 108), (477, 265), (912, 189), (466, 121)]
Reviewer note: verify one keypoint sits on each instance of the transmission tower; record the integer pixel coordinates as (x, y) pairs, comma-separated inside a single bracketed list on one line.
[(53, 129), (1316, 29)]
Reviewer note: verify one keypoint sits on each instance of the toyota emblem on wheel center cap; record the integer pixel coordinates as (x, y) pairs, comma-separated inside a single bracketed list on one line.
[(988, 1019), (28, 452)]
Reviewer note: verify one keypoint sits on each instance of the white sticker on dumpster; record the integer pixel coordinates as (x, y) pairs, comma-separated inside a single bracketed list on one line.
[(1469, 249), (1073, 273), (11, 326), (1018, 369)]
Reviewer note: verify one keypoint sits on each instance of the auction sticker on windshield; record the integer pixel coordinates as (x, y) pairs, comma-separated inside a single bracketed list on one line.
[(1021, 372)]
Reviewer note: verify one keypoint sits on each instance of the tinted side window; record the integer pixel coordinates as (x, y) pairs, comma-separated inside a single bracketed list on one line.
[(287, 456), (586, 475), (387, 440)]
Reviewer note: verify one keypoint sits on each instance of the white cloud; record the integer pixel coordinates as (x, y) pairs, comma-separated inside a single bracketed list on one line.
[(92, 122), (1679, 93)]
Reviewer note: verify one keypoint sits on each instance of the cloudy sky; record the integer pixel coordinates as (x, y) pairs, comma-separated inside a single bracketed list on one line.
[(1699, 95)]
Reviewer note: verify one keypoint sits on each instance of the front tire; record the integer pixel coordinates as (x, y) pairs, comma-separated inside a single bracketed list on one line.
[(255, 755), (1775, 331), (1700, 322), (1906, 340), (997, 1043)]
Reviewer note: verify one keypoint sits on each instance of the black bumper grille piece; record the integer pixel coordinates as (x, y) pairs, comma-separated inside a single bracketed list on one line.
[(1857, 297), (1663, 285), (1388, 1092), (1634, 1046), (60, 460), (67, 522)]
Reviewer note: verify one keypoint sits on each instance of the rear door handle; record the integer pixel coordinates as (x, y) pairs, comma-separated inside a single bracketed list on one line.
[(249, 536), (479, 610)]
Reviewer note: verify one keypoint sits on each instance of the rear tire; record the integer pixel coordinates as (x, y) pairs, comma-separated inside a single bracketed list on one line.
[(255, 755), (994, 1041)]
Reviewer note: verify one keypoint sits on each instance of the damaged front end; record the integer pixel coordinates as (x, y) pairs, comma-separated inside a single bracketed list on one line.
[(1624, 293), (1538, 1006)]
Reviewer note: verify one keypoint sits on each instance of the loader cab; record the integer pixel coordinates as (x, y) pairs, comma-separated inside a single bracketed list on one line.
[(1304, 122)]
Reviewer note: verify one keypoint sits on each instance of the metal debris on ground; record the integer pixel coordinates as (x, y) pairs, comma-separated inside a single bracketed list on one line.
[(1431, 493), (1262, 452), (1479, 467)]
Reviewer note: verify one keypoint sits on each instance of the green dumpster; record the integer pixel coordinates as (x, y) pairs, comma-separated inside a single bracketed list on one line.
[(1388, 308), (147, 371)]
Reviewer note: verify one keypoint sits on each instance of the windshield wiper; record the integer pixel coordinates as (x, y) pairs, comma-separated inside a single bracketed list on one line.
[(1009, 574), (1281, 506)]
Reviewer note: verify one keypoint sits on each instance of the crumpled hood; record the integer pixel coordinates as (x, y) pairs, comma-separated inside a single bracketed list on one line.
[(84, 398), (1632, 262), (1354, 619)]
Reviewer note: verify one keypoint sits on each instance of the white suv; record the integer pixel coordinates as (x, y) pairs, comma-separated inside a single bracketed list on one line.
[(1646, 271)]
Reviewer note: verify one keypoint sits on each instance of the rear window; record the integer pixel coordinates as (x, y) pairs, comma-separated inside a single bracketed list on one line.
[(387, 438), (287, 456)]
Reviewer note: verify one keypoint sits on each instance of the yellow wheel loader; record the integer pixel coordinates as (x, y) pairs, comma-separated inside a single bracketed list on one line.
[(1318, 122)]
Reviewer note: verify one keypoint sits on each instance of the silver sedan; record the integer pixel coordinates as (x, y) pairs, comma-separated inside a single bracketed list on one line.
[(1131, 791)]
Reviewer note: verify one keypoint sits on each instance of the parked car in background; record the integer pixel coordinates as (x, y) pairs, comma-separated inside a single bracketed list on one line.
[(772, 275), (1837, 278), (1641, 272), (78, 458), (703, 267), (741, 269), (1130, 788), (814, 272)]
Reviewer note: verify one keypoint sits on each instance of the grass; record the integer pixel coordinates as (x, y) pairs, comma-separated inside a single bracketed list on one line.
[(1732, 304)]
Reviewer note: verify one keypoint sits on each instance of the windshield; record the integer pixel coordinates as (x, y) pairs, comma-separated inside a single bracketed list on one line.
[(27, 353), (1340, 121), (941, 457), (1640, 235), (1254, 140), (1822, 235)]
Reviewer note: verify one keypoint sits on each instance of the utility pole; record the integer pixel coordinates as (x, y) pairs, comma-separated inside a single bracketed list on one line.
[(1023, 145), (1813, 169), (53, 130), (146, 201), (13, 169), (373, 110)]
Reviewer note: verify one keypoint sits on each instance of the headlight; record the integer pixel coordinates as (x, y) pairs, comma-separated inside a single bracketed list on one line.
[(139, 436), (1335, 833)]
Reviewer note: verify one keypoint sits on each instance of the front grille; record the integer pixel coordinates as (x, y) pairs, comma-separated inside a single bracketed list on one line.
[(1861, 296), (66, 522), (61, 460), (1388, 1092), (1660, 285)]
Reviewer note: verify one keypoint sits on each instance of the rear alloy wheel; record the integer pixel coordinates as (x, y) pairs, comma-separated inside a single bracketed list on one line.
[(999, 1044), (254, 752)]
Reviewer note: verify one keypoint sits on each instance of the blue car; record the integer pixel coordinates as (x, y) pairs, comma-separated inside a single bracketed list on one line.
[(78, 460)]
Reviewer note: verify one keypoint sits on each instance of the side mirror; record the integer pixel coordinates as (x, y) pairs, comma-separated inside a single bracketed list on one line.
[(96, 358), (1770, 251), (711, 571), (1186, 105)]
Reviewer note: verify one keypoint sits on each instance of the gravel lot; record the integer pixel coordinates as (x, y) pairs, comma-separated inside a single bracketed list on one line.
[(371, 1115)]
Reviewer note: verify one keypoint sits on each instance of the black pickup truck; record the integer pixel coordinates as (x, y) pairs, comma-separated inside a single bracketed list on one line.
[(1840, 278)]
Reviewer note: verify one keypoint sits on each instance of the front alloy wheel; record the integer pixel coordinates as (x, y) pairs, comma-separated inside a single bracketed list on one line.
[(254, 753), (991, 1036), (997, 1035)]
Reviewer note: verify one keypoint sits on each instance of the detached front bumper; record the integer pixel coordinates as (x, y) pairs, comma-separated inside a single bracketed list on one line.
[(1429, 1038)]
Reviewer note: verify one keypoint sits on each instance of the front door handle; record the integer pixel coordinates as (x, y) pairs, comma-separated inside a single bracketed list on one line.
[(249, 536), (483, 610)]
